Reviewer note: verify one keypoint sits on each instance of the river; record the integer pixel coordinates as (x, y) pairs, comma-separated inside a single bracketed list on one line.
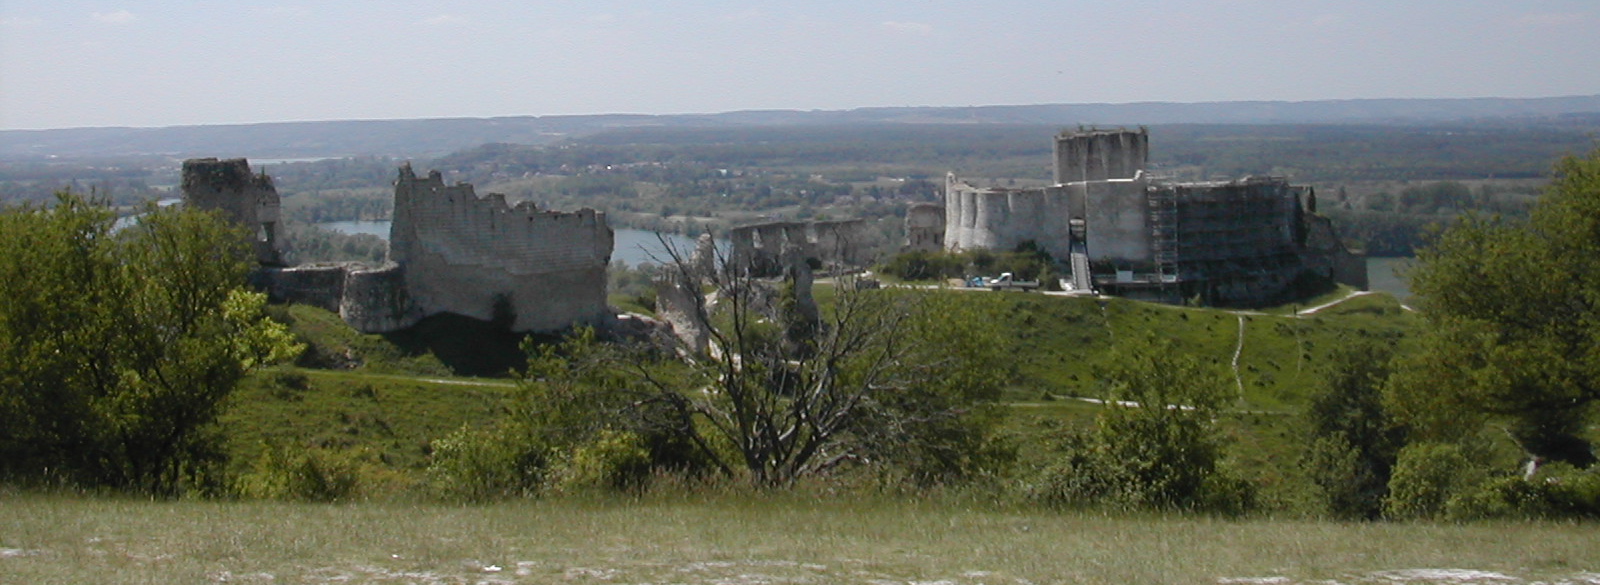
[(632, 246), (1381, 276)]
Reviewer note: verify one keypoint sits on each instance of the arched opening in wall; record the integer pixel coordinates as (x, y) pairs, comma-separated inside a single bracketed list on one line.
[(268, 234)]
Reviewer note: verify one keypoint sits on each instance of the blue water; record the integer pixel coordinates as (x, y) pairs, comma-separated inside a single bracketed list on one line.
[(632, 246), (1381, 276)]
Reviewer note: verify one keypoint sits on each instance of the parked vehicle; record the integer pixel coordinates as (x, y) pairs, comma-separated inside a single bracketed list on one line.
[(1007, 281)]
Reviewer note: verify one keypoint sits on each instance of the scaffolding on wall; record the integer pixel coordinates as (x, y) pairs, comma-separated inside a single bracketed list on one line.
[(1163, 216)]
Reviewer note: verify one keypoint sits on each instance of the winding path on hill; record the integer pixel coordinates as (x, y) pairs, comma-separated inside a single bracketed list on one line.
[(1238, 349), (425, 380), (1353, 294)]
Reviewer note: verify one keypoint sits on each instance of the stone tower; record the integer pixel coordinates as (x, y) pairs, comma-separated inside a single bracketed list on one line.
[(246, 198)]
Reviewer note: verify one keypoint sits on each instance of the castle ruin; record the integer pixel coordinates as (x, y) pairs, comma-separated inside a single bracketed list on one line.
[(762, 248), (450, 251), (1129, 233), (464, 254), (245, 198), (925, 227)]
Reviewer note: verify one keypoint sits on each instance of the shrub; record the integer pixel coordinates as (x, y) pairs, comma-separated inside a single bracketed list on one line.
[(1156, 450), (617, 460), (482, 464), (312, 475), (1351, 441), (1426, 477), (1557, 491)]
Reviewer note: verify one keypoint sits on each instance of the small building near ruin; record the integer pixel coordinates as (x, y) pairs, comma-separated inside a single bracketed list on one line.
[(450, 251), (1126, 232)]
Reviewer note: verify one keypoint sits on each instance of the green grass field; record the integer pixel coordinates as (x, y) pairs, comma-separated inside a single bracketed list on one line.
[(731, 539)]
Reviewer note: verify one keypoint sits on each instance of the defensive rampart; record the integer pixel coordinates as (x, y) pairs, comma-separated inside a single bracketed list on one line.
[(925, 227), (478, 257), (450, 251)]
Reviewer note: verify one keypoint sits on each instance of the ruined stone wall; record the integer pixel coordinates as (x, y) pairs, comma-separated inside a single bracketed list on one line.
[(375, 300), (925, 226), (761, 248), (1235, 222), (319, 285), (1116, 218), (463, 254), (1328, 254), (246, 198)]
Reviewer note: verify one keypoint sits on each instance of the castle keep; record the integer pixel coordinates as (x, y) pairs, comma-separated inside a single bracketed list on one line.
[(1129, 233), (450, 251)]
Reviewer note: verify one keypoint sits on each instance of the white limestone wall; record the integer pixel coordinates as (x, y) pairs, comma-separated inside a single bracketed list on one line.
[(1002, 219), (1116, 220), (1099, 155), (462, 253)]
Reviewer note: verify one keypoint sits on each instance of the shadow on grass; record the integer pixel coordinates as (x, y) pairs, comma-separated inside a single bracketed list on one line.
[(469, 347)]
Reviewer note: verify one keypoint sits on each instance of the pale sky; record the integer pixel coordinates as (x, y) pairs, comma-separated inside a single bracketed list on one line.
[(75, 63)]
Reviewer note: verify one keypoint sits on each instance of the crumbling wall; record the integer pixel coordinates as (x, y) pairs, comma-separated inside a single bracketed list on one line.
[(677, 303), (463, 254), (318, 285), (1328, 254), (449, 251), (925, 227), (1100, 155), (376, 300), (246, 198), (761, 248)]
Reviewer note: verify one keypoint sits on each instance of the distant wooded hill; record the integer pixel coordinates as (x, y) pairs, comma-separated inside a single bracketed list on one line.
[(423, 138)]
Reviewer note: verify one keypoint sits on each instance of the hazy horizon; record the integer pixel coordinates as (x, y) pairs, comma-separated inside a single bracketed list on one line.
[(85, 63)]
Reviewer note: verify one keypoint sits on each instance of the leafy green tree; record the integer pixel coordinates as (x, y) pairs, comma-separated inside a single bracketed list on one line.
[(118, 348), (1154, 444), (1514, 314), (1352, 443)]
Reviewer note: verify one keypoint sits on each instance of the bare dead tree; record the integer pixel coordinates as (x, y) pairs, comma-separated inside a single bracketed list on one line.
[(787, 385)]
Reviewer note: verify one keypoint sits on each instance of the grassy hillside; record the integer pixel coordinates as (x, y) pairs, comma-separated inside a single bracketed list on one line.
[(382, 420), (379, 400), (441, 345), (1060, 341)]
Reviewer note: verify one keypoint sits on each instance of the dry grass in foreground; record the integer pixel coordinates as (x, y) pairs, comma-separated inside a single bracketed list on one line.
[(743, 539)]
